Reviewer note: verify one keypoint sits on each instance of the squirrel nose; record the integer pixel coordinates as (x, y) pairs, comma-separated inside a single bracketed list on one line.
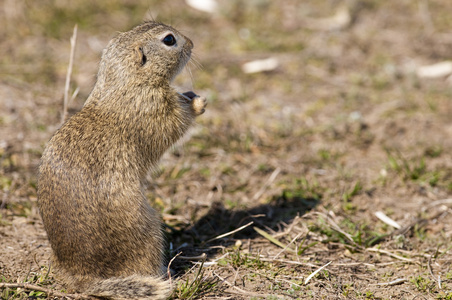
[(189, 43)]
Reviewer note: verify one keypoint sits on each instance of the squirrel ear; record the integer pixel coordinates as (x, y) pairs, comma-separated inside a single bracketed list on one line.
[(140, 56)]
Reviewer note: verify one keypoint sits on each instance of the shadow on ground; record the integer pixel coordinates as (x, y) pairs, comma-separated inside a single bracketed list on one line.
[(195, 239)]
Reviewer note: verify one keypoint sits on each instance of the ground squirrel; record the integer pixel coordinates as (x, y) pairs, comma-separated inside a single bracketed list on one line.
[(106, 239)]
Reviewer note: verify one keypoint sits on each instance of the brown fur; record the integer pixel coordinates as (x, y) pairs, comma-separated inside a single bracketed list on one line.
[(106, 239)]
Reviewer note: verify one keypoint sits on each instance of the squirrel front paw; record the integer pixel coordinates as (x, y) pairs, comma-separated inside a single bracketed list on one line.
[(198, 103)]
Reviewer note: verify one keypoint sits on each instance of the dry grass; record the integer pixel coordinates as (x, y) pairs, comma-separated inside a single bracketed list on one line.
[(274, 193)]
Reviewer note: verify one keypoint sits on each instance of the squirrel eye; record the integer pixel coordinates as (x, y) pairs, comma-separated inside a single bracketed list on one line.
[(169, 40)]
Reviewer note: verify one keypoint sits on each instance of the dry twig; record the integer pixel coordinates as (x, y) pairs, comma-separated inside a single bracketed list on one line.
[(289, 262), (49, 292), (266, 184), (429, 266), (287, 246), (391, 283), (273, 240), (390, 254), (230, 232), (169, 266), (68, 75), (316, 271)]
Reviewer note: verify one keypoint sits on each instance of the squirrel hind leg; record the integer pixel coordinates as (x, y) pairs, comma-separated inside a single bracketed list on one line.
[(134, 287)]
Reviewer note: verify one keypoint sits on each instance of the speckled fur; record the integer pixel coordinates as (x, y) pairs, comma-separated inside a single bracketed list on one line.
[(106, 239)]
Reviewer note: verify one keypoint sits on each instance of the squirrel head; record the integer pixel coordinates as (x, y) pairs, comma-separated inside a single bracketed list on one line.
[(150, 54)]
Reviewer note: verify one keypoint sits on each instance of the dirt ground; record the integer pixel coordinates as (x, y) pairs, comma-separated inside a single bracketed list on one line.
[(292, 164)]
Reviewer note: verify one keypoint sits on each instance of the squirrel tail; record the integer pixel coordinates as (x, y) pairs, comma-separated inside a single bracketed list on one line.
[(134, 287)]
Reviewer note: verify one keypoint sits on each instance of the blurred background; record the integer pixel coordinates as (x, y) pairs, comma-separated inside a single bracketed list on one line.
[(321, 106)]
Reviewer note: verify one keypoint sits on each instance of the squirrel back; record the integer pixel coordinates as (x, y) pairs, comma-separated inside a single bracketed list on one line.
[(106, 239)]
